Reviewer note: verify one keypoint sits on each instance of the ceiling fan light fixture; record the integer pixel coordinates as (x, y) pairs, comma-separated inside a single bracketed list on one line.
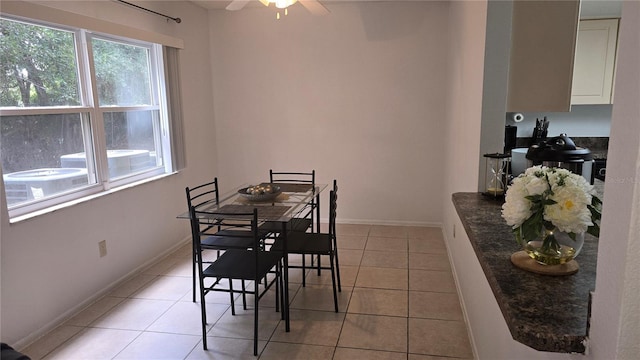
[(283, 4), (280, 4), (313, 6)]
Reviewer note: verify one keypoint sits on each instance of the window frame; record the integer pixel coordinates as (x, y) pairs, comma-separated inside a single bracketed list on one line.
[(92, 119)]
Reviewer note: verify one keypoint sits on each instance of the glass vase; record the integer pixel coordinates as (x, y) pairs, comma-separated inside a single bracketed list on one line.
[(554, 247)]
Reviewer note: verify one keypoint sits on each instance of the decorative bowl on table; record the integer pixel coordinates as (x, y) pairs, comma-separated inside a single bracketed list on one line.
[(262, 192)]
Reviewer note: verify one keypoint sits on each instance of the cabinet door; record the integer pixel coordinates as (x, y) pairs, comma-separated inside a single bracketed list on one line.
[(595, 62), (543, 44)]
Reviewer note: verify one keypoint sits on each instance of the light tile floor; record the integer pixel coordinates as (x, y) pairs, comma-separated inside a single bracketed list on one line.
[(398, 301)]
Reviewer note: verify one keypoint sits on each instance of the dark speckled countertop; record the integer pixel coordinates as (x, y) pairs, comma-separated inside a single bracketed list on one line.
[(547, 313)]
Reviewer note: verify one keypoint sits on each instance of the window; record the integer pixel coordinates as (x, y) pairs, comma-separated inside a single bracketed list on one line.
[(80, 113)]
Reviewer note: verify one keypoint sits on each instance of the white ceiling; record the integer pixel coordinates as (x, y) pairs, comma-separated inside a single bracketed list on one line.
[(590, 8), (213, 4), (221, 4)]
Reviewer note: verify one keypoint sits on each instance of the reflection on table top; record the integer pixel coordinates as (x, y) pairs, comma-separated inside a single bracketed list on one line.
[(292, 200)]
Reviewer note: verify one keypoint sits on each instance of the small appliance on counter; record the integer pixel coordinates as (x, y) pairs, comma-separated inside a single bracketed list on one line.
[(562, 152), (518, 161)]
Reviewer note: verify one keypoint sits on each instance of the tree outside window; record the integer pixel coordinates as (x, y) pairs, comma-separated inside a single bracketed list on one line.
[(71, 117)]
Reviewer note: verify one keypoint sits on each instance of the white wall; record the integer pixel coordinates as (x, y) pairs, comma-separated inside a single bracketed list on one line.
[(50, 264), (497, 54), (616, 305), (358, 95), (467, 28)]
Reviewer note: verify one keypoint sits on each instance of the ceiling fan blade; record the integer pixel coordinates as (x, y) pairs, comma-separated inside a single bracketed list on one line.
[(237, 4), (314, 7)]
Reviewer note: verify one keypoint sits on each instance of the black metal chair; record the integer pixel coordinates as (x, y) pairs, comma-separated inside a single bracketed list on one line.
[(306, 243), (251, 264), (308, 216), (206, 197)]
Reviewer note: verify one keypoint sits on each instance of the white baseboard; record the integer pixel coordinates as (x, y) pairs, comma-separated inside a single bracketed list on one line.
[(461, 300), (384, 222)]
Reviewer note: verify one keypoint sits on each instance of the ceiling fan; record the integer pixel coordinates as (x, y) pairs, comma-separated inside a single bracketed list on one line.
[(314, 6)]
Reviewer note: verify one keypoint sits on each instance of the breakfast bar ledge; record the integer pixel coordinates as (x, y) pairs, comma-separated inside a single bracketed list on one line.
[(546, 313)]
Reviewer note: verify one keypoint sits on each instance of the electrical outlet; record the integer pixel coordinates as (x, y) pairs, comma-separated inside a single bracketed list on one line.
[(102, 246)]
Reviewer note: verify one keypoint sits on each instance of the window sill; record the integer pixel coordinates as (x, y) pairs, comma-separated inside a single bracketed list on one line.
[(34, 214)]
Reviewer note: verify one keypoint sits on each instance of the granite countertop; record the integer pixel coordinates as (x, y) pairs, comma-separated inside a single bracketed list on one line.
[(547, 313)]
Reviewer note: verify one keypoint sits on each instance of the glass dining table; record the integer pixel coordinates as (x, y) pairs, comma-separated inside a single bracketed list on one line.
[(292, 202)]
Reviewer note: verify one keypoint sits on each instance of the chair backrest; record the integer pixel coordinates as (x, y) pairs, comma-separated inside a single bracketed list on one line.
[(306, 180), (203, 194), (333, 206), (293, 177), (206, 223)]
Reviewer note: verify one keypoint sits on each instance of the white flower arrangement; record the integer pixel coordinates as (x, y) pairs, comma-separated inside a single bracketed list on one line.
[(548, 198)]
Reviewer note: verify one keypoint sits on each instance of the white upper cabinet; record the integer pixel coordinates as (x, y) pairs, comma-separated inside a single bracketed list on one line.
[(543, 43), (595, 62)]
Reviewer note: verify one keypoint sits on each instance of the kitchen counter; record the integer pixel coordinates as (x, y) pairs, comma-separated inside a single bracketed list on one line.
[(546, 313)]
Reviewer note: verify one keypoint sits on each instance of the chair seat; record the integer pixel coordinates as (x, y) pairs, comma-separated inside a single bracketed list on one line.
[(230, 232), (230, 239), (222, 243), (304, 243), (298, 224), (228, 265)]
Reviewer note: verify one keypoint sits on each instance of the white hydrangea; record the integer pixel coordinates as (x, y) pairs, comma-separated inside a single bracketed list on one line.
[(516, 208), (572, 195), (537, 186)]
